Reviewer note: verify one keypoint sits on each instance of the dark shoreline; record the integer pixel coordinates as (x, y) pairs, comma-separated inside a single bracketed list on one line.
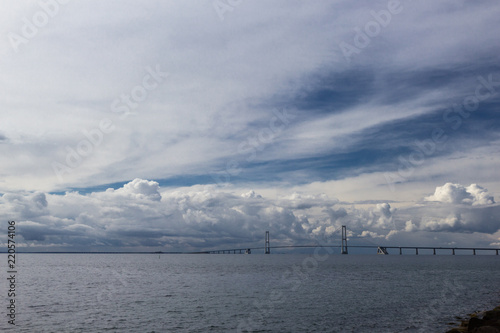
[(480, 322)]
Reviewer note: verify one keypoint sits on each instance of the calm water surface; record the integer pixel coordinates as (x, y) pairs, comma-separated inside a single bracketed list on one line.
[(257, 293)]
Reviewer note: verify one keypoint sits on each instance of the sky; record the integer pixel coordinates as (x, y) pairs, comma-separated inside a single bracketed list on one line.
[(199, 125)]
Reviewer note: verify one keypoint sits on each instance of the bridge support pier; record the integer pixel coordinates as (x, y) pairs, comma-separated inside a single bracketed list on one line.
[(416, 251), (382, 250), (453, 251), (400, 251), (474, 251), (434, 252), (497, 252)]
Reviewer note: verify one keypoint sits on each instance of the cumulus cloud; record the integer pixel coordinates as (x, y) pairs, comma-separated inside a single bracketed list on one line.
[(384, 209), (337, 214), (391, 234), (32, 231), (446, 217), (459, 194), (456, 208), (371, 234), (306, 201), (251, 194), (140, 189), (480, 195), (142, 216), (449, 223), (26, 206), (379, 216), (409, 226)]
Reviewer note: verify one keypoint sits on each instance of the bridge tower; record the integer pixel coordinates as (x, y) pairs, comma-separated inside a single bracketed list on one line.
[(344, 240), (267, 247)]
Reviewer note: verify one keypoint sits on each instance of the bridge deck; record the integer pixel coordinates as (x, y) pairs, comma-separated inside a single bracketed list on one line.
[(416, 248)]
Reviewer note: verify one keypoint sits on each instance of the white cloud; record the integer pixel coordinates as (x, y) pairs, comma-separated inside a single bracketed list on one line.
[(409, 226), (251, 195), (371, 234), (140, 189), (459, 194), (307, 201), (142, 216), (391, 234), (450, 193), (480, 196), (446, 224), (385, 219), (223, 83)]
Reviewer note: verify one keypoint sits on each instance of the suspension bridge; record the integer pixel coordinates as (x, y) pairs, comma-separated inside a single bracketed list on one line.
[(380, 249)]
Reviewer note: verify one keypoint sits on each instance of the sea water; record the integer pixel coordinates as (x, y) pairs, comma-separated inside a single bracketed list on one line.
[(247, 293)]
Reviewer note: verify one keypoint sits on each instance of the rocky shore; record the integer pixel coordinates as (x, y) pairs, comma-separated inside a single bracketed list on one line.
[(481, 322)]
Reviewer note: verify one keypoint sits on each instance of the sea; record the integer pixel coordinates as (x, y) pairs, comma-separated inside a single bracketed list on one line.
[(318, 292)]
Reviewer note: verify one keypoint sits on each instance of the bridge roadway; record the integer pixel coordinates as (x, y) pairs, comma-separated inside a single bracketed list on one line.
[(416, 248)]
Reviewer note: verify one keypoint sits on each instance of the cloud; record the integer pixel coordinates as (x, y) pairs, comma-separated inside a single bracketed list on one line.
[(371, 234), (251, 195), (455, 208), (391, 234), (449, 223), (480, 219), (409, 226), (307, 201), (140, 189), (384, 209), (228, 78), (26, 206), (480, 196), (141, 215), (459, 194), (33, 231)]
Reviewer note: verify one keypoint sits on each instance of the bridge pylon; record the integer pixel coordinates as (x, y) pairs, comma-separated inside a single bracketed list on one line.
[(344, 240), (267, 247)]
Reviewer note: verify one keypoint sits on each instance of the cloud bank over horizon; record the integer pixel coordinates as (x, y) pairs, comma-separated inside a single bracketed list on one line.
[(287, 115), (141, 216)]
